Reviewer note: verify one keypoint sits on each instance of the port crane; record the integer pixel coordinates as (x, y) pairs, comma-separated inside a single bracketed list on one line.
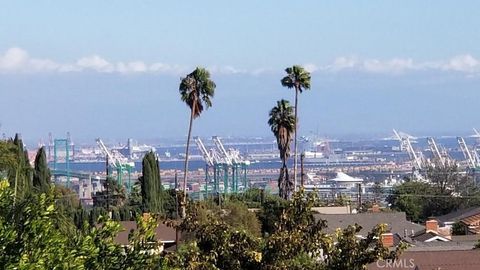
[(440, 154), (477, 134), (215, 161), (406, 145), (118, 162), (225, 163), (238, 164), (471, 156), (207, 156)]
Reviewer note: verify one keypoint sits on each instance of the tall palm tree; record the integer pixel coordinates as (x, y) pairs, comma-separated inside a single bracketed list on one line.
[(196, 90), (282, 124), (299, 79)]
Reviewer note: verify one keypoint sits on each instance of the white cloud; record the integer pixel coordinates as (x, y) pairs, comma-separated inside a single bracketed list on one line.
[(226, 70), (17, 60), (13, 59), (461, 63), (341, 63), (310, 67), (394, 66), (96, 63)]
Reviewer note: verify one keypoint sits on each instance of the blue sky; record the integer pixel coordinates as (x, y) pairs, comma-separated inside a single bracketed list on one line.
[(111, 68)]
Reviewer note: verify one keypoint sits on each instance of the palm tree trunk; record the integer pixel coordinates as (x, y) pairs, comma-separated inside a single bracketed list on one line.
[(184, 200), (288, 184), (295, 143), (284, 183), (280, 183)]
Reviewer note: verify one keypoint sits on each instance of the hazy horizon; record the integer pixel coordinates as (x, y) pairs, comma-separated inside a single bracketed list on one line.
[(375, 66)]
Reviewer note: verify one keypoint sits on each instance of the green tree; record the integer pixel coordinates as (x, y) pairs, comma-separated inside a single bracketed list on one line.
[(299, 79), (113, 195), (348, 252), (282, 124), (458, 228), (446, 191), (410, 197), (41, 174), (8, 158), (297, 241), (30, 238), (151, 185), (20, 174), (214, 243), (196, 90), (270, 213), (135, 198)]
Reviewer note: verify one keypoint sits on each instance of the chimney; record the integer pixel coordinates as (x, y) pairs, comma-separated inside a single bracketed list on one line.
[(387, 240), (431, 225)]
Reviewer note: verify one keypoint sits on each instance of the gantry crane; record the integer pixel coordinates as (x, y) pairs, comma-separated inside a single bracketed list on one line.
[(406, 145), (212, 160), (239, 165), (471, 156), (118, 162), (225, 163), (440, 155)]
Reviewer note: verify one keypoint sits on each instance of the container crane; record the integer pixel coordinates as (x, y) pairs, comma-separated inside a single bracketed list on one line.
[(437, 156), (233, 159), (224, 154), (477, 134), (207, 156), (118, 162), (470, 156), (216, 160), (406, 145)]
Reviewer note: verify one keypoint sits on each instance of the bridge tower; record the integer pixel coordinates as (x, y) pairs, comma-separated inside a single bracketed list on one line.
[(64, 144)]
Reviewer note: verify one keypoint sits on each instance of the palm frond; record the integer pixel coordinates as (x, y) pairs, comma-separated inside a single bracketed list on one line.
[(197, 88), (282, 124), (297, 77)]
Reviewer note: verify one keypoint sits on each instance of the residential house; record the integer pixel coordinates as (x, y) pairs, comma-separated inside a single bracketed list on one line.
[(469, 218), (164, 234)]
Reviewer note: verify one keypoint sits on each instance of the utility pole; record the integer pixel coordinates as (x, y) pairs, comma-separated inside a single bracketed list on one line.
[(176, 194), (107, 185), (302, 179), (177, 232), (359, 196)]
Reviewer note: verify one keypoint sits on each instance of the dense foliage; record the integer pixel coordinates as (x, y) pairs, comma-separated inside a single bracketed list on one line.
[(34, 234), (151, 184), (296, 241), (31, 237), (446, 191), (41, 174)]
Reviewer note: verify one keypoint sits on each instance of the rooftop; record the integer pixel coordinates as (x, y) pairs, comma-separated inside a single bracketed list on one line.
[(396, 222), (459, 214)]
